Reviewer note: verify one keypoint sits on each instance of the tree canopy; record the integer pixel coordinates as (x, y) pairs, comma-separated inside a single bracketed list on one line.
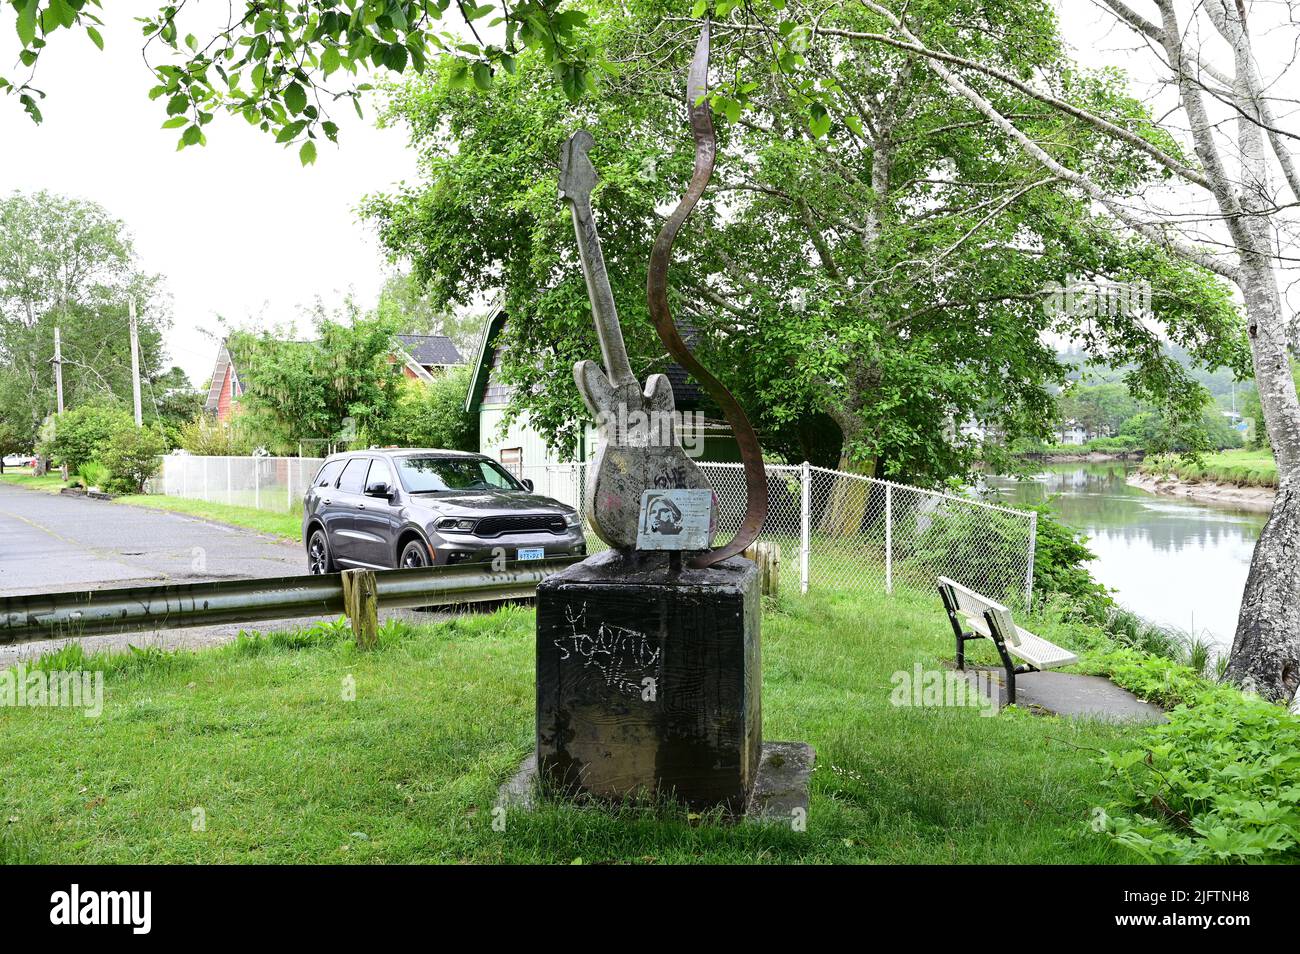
[(889, 269), (68, 263), (321, 391)]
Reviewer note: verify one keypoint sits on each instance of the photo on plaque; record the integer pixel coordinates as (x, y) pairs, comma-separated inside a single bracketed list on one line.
[(675, 520)]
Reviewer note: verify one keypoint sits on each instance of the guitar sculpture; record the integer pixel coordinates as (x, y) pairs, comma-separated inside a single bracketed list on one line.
[(638, 433), (639, 449)]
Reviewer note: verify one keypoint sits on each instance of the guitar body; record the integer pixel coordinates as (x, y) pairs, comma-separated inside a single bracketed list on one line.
[(638, 450)]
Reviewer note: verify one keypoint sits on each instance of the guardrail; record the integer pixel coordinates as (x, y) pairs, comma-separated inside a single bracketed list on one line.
[(25, 619)]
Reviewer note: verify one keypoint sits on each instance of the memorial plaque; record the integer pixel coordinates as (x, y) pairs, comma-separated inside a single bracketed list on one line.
[(675, 520)]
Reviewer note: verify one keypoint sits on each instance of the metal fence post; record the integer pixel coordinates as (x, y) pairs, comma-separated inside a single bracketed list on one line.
[(805, 523), (288, 481), (889, 538), (1033, 545)]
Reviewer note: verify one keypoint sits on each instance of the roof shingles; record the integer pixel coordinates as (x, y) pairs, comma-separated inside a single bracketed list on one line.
[(430, 350)]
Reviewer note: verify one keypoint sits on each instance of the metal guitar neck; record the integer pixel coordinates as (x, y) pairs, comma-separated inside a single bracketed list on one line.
[(612, 349)]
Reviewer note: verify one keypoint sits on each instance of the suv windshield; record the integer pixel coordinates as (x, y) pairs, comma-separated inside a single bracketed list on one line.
[(432, 475)]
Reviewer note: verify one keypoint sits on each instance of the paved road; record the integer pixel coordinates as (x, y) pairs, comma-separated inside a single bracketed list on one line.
[(50, 542), (53, 542)]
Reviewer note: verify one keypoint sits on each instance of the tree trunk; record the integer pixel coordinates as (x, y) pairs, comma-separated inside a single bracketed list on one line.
[(846, 510), (1266, 650)]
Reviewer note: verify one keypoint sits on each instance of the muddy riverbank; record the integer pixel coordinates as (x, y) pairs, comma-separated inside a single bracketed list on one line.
[(1249, 498)]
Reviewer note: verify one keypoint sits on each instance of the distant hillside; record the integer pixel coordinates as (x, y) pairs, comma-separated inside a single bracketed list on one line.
[(1219, 383)]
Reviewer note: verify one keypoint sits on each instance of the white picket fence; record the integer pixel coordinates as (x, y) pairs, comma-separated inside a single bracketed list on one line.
[(834, 529)]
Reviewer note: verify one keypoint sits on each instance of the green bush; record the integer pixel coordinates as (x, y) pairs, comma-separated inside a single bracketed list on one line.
[(990, 550), (1060, 557), (93, 474), (988, 547), (80, 435), (427, 414), (131, 457), (1112, 445), (1220, 782), (205, 436)]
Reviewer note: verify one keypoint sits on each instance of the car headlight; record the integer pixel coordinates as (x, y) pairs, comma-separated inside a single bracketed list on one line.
[(454, 523), (573, 519)]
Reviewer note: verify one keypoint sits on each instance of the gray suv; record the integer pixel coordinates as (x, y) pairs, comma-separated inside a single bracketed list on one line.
[(387, 509)]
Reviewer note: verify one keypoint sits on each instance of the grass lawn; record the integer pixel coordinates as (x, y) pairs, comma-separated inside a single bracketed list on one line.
[(1243, 467), (22, 477), (286, 525), (257, 735)]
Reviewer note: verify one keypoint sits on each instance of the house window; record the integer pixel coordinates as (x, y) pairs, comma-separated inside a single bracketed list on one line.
[(512, 459)]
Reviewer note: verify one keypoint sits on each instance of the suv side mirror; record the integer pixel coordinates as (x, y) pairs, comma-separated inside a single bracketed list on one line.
[(379, 489), (528, 484)]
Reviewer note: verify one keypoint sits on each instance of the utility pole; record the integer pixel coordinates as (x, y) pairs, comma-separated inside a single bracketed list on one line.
[(135, 362), (58, 383), (58, 368)]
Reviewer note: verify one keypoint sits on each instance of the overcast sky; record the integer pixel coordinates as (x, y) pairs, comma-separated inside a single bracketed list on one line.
[(238, 228)]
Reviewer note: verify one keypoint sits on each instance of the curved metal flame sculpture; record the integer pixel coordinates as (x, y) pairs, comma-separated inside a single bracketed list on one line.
[(657, 294)]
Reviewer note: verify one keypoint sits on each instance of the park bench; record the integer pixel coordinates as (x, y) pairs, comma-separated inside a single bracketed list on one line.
[(977, 617)]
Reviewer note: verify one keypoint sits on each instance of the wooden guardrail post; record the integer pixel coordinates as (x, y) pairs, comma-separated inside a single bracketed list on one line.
[(767, 556), (361, 604)]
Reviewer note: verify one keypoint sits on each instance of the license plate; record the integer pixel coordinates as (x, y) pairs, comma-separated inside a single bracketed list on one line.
[(532, 553)]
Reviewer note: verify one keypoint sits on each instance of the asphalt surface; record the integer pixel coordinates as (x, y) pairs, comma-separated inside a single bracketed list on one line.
[(51, 542), (54, 542)]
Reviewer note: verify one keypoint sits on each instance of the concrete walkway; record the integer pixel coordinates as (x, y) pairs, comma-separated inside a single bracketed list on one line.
[(1069, 694)]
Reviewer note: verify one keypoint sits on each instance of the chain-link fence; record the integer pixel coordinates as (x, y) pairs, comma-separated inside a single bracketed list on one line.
[(844, 530), (266, 483), (834, 529)]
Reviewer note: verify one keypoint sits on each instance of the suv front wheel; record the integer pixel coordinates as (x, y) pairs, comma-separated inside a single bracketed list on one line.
[(414, 555)]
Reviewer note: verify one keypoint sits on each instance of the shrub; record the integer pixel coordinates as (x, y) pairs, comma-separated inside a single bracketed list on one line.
[(1061, 556), (93, 474), (80, 435), (132, 457), (1220, 782), (208, 437), (427, 414), (1112, 445)]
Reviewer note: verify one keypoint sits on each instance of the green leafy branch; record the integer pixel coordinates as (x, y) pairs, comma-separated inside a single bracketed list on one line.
[(282, 65)]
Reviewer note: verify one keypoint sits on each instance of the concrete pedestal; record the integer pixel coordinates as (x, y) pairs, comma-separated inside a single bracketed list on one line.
[(648, 680)]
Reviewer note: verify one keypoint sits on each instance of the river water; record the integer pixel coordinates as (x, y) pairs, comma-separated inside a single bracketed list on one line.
[(1173, 561)]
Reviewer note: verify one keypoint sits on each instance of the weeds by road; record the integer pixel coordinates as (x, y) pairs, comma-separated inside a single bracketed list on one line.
[(285, 525)]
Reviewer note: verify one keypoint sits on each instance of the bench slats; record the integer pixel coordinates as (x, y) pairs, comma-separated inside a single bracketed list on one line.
[(1020, 642), (1041, 654)]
